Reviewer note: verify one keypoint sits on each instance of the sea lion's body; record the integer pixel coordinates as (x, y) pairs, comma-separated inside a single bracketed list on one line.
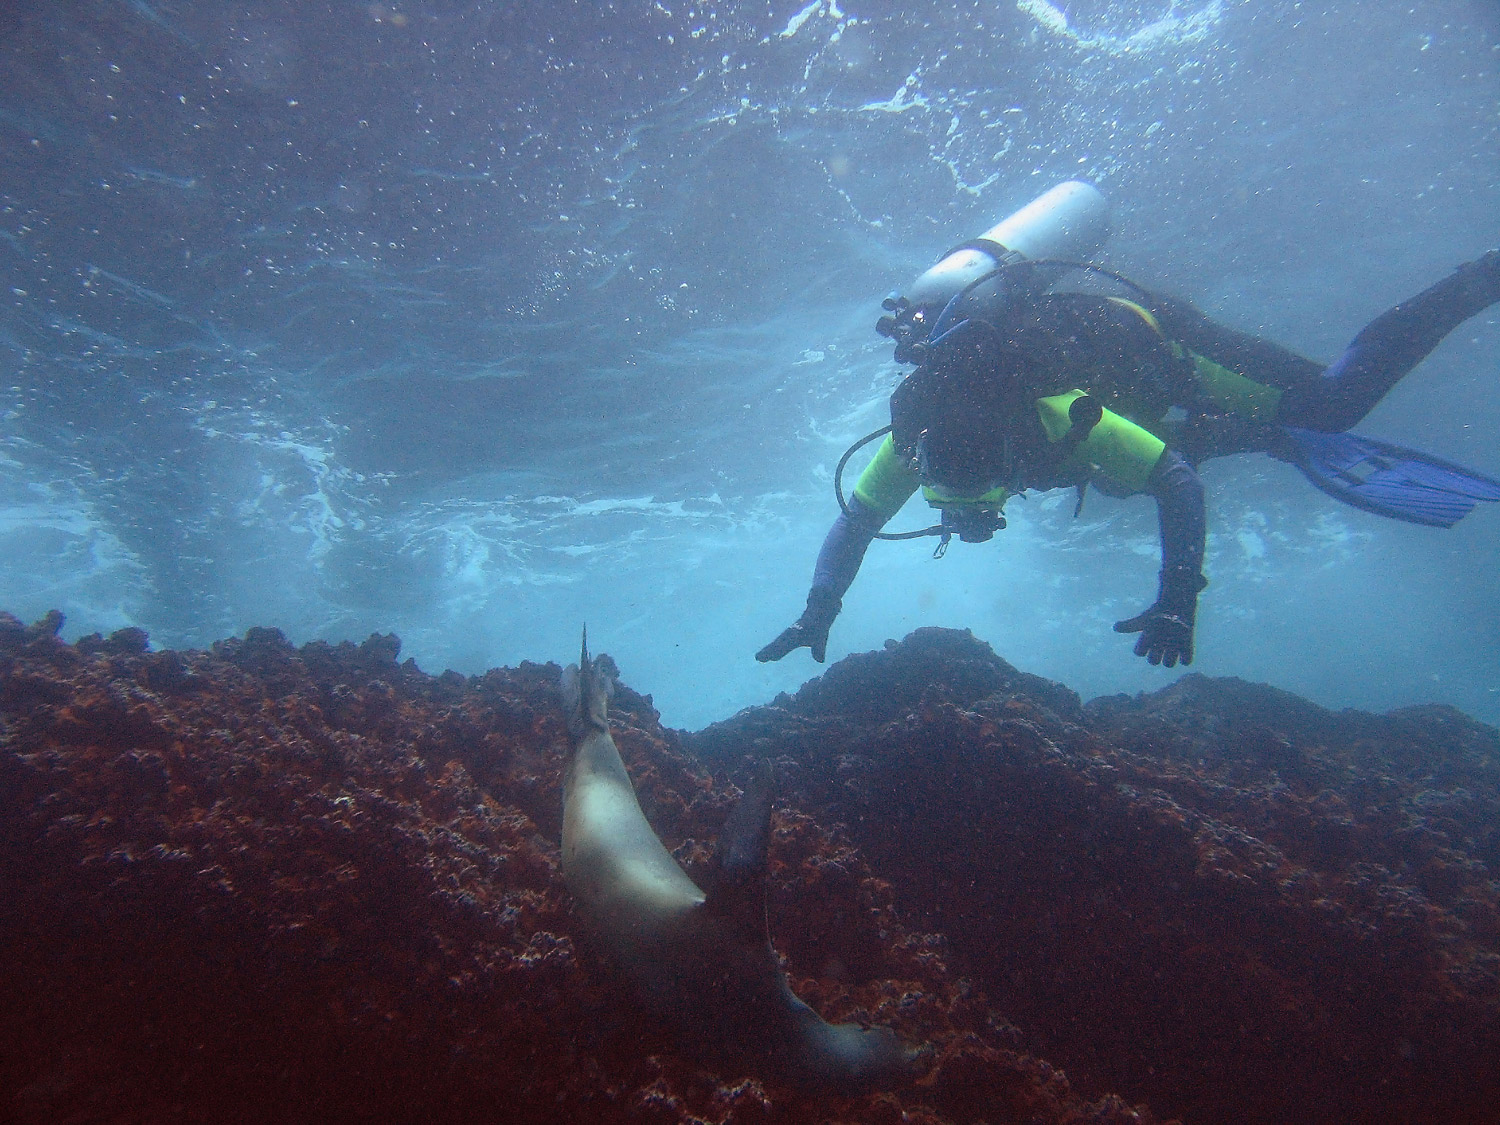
[(703, 961)]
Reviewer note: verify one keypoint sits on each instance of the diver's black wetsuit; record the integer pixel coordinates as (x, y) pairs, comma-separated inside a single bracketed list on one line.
[(1336, 397)]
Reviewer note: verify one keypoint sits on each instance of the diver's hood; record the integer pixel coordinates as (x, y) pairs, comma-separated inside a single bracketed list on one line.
[(963, 465), (953, 422)]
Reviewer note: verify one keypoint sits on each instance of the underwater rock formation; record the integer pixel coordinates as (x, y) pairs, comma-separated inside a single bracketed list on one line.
[(275, 884), (1218, 898), (316, 884)]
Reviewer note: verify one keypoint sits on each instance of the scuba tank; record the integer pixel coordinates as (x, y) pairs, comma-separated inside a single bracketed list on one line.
[(1068, 222)]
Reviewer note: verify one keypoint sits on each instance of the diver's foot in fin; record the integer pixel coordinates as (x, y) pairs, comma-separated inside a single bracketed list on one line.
[(1386, 479), (1467, 291), (1481, 279)]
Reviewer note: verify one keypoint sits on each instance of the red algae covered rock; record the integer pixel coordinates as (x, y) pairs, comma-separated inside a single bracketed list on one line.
[(266, 883), (1218, 899)]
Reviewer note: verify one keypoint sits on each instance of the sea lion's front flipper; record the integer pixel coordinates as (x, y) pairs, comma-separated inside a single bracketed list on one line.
[(738, 893)]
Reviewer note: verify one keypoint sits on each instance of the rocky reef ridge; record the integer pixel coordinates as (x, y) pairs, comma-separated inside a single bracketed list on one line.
[(317, 884)]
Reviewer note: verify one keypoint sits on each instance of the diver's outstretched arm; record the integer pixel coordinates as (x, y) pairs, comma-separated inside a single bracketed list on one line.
[(838, 562), (1166, 628), (1389, 347)]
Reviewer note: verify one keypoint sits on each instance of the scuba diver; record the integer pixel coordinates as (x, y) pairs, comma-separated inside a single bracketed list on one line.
[(1023, 382)]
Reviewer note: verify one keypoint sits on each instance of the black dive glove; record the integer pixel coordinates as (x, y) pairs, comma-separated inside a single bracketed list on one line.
[(809, 630), (1166, 629)]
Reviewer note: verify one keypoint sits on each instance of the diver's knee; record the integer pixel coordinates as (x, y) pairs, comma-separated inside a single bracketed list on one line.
[(1314, 407)]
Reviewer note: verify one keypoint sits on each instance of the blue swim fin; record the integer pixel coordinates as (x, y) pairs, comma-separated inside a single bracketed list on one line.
[(1387, 479)]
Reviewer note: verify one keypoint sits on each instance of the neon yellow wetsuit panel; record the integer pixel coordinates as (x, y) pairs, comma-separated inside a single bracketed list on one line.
[(1231, 391), (1116, 446), (1227, 389), (887, 482)]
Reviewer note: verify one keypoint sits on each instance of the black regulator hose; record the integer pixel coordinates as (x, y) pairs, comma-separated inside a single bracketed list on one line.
[(838, 491)]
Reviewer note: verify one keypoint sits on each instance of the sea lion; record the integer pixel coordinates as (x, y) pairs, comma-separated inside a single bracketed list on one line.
[(703, 961)]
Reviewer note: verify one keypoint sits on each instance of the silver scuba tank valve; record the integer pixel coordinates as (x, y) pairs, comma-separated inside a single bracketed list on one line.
[(1068, 222)]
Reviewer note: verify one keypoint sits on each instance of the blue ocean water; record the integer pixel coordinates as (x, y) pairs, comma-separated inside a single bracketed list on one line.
[(474, 321)]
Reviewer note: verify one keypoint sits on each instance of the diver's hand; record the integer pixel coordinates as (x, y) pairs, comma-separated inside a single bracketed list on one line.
[(808, 631), (1165, 638), (1166, 629), (795, 636)]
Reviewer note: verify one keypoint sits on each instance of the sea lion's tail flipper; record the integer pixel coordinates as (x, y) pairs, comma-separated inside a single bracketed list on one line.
[(586, 687), (738, 893)]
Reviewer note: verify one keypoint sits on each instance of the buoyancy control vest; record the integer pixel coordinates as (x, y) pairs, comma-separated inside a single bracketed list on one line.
[(970, 418)]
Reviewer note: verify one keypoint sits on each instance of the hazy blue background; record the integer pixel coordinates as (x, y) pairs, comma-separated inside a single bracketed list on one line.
[(472, 321)]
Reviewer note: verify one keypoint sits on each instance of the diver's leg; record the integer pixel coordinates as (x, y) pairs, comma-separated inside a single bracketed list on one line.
[(1251, 356), (1201, 436), (1389, 347)]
